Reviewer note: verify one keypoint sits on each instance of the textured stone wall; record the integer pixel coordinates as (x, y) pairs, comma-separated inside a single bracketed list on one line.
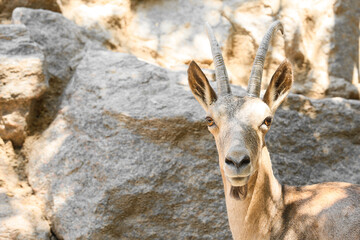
[(101, 138), (321, 38)]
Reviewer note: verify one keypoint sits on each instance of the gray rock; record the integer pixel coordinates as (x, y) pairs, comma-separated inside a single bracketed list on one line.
[(22, 80), (129, 156), (60, 39), (120, 133), (63, 44), (339, 87), (315, 141)]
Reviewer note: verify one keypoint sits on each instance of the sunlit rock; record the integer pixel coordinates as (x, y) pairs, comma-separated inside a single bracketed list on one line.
[(22, 80), (21, 214), (321, 38)]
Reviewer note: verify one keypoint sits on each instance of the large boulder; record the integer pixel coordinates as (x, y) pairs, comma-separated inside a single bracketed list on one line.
[(119, 160), (22, 81), (129, 157), (321, 38)]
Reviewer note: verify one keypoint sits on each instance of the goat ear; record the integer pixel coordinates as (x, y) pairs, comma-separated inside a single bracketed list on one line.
[(279, 86), (200, 86)]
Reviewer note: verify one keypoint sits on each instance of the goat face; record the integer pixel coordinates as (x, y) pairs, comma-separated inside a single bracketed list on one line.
[(239, 124)]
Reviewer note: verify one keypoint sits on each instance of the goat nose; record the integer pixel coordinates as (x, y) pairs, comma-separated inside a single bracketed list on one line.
[(238, 162)]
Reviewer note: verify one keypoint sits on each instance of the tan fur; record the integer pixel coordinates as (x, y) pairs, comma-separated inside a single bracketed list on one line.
[(271, 211)]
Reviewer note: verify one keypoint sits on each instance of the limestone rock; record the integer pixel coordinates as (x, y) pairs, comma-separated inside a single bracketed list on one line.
[(7, 6), (321, 38), (60, 39), (22, 80), (63, 44), (166, 32), (21, 214), (129, 156), (322, 42), (86, 172), (314, 141)]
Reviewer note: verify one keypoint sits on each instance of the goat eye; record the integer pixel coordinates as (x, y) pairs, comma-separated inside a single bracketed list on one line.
[(210, 121), (267, 121)]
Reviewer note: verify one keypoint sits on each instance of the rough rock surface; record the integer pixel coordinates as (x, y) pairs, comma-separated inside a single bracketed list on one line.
[(21, 215), (99, 161), (315, 141), (42, 48), (63, 44), (60, 39), (129, 157), (7, 6), (321, 38), (21, 80), (322, 41)]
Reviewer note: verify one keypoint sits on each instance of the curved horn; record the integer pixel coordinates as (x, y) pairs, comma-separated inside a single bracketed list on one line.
[(222, 79), (254, 85)]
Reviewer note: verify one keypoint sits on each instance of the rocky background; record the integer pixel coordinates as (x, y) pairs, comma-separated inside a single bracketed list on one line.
[(101, 138)]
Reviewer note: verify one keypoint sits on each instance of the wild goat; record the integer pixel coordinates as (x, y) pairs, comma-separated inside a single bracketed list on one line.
[(258, 207)]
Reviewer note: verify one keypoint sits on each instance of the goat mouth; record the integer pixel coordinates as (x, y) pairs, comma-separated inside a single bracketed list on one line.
[(238, 181)]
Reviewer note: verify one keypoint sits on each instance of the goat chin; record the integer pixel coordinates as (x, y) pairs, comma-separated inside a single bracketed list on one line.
[(239, 193)]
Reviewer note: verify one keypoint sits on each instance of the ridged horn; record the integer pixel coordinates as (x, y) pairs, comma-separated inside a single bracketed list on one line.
[(254, 85), (222, 79)]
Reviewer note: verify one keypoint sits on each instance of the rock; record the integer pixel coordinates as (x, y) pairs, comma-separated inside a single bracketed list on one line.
[(147, 30), (46, 50), (314, 141), (22, 80), (321, 43), (83, 166), (7, 6), (321, 39), (60, 39), (342, 88), (129, 157), (21, 214), (63, 44)]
